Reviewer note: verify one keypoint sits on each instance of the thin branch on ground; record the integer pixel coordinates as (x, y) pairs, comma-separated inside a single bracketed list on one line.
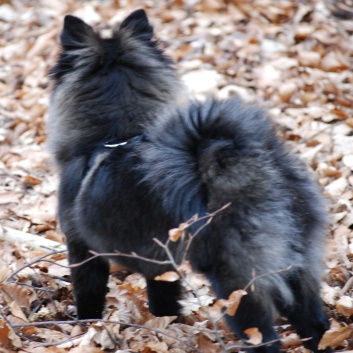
[(29, 264), (78, 322), (118, 254)]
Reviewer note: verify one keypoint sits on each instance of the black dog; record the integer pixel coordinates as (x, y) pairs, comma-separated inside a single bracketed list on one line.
[(169, 164)]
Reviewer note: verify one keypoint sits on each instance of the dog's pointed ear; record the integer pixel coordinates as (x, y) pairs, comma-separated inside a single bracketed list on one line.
[(76, 33), (138, 23)]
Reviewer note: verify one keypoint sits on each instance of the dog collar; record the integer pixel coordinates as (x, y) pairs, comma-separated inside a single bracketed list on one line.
[(131, 139), (108, 145)]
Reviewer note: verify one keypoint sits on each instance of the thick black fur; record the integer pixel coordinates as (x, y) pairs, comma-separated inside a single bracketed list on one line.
[(178, 162)]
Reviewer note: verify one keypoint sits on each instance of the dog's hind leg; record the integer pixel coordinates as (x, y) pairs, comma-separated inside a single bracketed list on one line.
[(89, 280), (163, 297), (305, 314), (251, 313)]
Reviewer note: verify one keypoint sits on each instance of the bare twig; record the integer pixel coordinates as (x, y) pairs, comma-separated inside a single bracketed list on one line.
[(117, 253), (253, 345), (57, 323), (34, 262), (37, 289), (265, 275), (49, 344)]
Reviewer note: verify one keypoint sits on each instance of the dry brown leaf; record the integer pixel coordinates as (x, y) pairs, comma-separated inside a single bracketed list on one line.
[(309, 58), (31, 180), (176, 233), (98, 334), (292, 340), (255, 336), (210, 5), (5, 271), (307, 97), (61, 269), (344, 306), (304, 30), (77, 330), (334, 61), (33, 347), (331, 172), (335, 335), (349, 121), (337, 187), (267, 76), (159, 347), (205, 344), (234, 299), (9, 197), (17, 311), (286, 91), (22, 295), (215, 311), (8, 337), (50, 335), (86, 350), (310, 155), (169, 276), (232, 303), (160, 322)]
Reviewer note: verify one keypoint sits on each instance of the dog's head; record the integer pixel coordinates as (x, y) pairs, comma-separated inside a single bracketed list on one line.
[(129, 55), (108, 88)]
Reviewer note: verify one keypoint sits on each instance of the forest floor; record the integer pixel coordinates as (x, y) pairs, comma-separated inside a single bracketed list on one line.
[(293, 57)]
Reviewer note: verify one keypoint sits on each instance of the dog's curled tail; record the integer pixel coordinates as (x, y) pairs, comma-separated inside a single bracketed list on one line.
[(196, 149)]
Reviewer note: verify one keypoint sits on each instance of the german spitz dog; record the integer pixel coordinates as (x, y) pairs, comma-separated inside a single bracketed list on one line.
[(134, 164)]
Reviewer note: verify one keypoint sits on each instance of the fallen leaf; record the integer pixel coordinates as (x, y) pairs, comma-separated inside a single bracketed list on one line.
[(309, 58), (160, 322), (8, 337), (169, 276), (287, 90), (159, 347), (205, 344), (24, 296), (334, 61), (292, 340), (344, 306), (337, 187), (232, 303), (5, 271), (17, 311), (255, 336), (86, 350), (176, 233), (335, 335)]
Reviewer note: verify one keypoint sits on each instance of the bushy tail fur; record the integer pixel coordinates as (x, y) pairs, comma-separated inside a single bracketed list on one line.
[(196, 150)]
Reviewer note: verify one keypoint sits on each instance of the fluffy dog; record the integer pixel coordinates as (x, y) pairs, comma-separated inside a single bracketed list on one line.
[(133, 165)]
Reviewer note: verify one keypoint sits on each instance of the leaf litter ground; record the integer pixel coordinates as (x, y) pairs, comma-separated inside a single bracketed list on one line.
[(294, 58)]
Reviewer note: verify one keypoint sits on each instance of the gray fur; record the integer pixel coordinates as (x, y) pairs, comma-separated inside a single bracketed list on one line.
[(172, 162)]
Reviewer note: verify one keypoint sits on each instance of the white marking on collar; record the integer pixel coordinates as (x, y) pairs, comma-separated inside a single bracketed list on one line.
[(115, 144)]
